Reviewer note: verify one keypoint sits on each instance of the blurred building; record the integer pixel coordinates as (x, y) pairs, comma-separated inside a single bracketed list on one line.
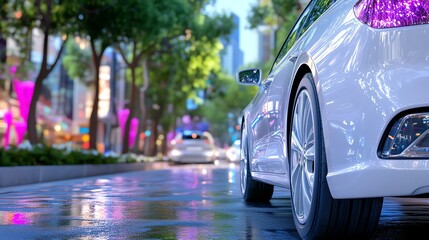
[(232, 55), (65, 104), (267, 43), (267, 38)]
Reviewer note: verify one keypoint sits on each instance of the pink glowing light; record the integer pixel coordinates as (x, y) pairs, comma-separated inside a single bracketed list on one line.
[(8, 118), (12, 70), (20, 129), (18, 219), (24, 93), (122, 118), (133, 132)]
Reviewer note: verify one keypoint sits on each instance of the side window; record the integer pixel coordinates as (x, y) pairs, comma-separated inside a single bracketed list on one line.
[(292, 37), (313, 11), (320, 6)]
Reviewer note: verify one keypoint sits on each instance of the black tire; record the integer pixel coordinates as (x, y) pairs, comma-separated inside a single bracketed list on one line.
[(252, 190), (324, 217)]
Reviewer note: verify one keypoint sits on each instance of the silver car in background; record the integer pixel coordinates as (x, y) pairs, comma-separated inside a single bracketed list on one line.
[(193, 147)]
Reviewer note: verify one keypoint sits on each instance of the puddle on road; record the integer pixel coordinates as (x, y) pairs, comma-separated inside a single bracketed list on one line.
[(194, 203), (16, 218)]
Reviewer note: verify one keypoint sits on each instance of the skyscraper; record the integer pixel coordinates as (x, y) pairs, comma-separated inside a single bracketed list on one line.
[(232, 55)]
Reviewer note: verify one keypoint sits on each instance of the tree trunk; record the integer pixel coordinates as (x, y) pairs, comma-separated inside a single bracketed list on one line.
[(125, 147), (93, 120), (152, 138), (140, 116), (43, 73), (32, 122)]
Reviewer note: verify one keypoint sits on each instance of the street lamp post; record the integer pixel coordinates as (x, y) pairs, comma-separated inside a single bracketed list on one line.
[(112, 110)]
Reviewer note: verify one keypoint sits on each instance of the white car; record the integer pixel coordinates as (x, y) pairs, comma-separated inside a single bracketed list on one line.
[(193, 147), (343, 117)]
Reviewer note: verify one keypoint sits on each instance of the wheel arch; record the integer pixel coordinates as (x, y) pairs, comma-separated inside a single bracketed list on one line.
[(244, 149), (304, 68)]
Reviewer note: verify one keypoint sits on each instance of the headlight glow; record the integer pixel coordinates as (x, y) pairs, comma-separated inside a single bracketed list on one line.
[(175, 153)]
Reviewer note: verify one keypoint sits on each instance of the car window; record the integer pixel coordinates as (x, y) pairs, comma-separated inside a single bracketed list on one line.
[(194, 136), (311, 13), (292, 37), (319, 7)]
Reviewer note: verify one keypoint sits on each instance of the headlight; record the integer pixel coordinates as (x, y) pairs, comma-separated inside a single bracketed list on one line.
[(209, 153), (175, 153), (408, 137)]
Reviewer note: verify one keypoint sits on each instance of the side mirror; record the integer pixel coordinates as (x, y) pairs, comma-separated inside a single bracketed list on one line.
[(250, 77)]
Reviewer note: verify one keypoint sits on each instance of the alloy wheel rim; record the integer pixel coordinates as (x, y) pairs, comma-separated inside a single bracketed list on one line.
[(243, 167), (302, 156), (243, 174)]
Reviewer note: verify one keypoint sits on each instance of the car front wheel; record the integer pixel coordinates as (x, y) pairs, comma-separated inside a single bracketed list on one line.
[(316, 214), (252, 190)]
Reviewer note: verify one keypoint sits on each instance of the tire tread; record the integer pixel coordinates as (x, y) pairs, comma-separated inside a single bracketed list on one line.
[(336, 218)]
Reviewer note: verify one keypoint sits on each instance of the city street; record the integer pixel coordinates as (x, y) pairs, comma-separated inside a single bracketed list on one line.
[(180, 202)]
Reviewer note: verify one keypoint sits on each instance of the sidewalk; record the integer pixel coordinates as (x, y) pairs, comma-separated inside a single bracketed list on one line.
[(14, 176)]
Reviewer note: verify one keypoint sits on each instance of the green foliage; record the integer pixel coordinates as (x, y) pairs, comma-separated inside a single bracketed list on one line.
[(275, 15), (261, 15), (97, 19), (44, 155), (228, 97), (181, 58), (210, 28), (19, 18), (149, 22), (77, 61)]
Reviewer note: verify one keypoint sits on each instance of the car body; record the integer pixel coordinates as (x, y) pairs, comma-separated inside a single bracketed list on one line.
[(193, 147), (342, 118), (233, 152)]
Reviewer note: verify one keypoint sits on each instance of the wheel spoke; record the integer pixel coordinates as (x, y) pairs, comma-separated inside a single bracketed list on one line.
[(302, 162), (295, 144), (296, 172), (310, 140), (304, 119), (306, 196), (243, 174), (295, 128), (309, 154), (295, 176)]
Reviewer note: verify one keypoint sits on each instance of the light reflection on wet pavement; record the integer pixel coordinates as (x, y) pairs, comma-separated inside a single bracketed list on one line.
[(403, 218), (180, 202)]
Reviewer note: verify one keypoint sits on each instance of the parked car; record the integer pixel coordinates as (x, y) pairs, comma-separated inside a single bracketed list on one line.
[(343, 117), (193, 147), (233, 152)]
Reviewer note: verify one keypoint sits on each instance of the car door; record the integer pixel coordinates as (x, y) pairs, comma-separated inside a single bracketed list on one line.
[(280, 78), (259, 130)]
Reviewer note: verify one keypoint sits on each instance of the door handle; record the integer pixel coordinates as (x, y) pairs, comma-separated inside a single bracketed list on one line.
[(293, 58), (267, 83)]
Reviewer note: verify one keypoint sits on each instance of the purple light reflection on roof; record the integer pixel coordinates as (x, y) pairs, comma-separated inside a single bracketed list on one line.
[(392, 13)]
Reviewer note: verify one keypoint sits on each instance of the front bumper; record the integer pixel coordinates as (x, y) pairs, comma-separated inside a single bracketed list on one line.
[(193, 157)]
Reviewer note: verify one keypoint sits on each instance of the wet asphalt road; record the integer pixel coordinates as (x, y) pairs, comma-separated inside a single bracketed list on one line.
[(177, 202)]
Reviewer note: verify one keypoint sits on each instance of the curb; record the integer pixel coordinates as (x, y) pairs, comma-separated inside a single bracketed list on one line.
[(22, 175)]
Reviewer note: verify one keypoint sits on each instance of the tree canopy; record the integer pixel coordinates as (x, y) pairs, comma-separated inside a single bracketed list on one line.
[(277, 15)]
